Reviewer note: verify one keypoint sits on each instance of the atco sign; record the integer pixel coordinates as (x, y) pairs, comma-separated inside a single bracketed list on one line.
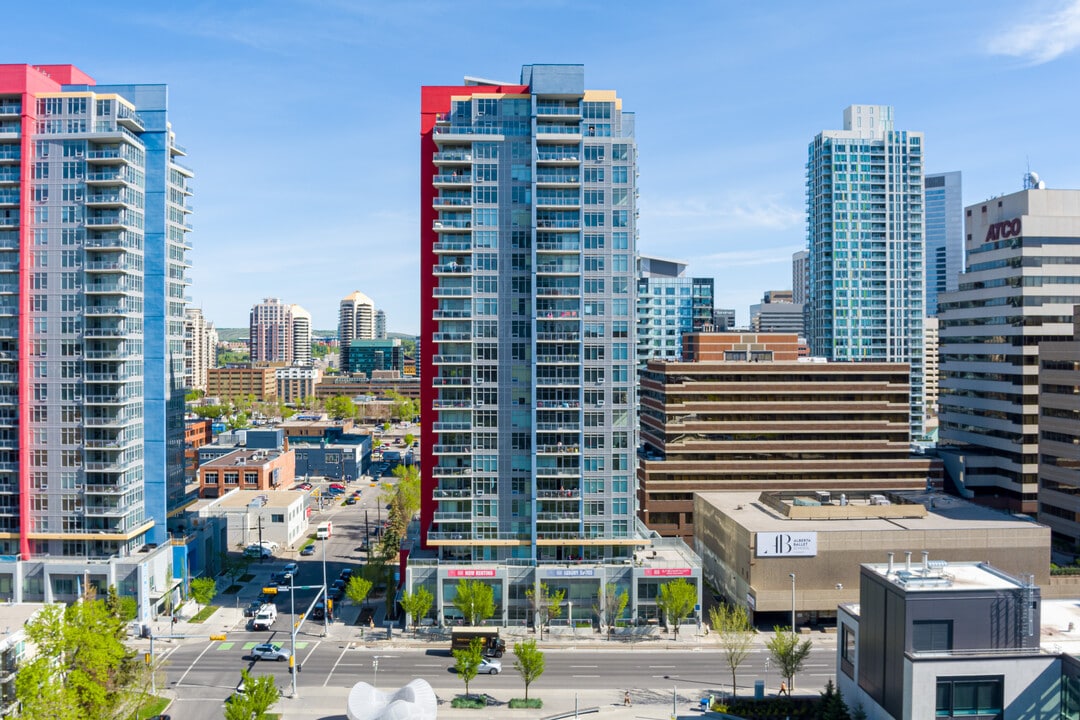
[(795, 544), (1002, 230)]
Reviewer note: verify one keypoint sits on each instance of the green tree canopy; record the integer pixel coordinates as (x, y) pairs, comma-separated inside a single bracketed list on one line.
[(736, 632), (475, 600), (82, 668), (677, 599), (529, 662), (467, 661), (614, 604), (260, 694), (788, 653), (212, 412), (547, 605), (417, 604), (340, 407), (357, 589), (203, 590)]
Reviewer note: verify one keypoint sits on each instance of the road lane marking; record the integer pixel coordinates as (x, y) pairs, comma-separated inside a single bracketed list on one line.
[(331, 673), (193, 663), (584, 666)]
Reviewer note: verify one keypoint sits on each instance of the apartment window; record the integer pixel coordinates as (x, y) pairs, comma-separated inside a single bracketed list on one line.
[(232, 478), (620, 240), (594, 197), (847, 650), (620, 218), (594, 241), (620, 174), (594, 174), (251, 478), (594, 219), (931, 635), (210, 478), (970, 696), (277, 517)]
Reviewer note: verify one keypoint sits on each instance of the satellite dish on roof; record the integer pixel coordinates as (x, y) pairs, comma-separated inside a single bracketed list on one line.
[(1032, 181)]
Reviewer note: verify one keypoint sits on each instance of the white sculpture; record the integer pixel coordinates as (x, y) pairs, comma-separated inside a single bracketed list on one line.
[(415, 701)]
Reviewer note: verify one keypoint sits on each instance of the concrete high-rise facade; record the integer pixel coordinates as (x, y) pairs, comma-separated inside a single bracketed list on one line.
[(800, 276), (777, 313), (528, 396), (271, 332), (200, 348), (93, 239), (380, 325), (356, 320), (301, 335), (669, 304), (1019, 289), (944, 235), (864, 200)]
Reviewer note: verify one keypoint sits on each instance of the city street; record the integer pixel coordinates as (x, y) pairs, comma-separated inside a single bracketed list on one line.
[(210, 671)]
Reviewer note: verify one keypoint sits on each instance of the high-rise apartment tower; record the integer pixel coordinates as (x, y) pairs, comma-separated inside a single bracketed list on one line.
[(356, 320), (864, 202), (271, 332), (93, 255), (944, 236)]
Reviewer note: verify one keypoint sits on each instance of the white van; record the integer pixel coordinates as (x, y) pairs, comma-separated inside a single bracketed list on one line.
[(324, 530), (265, 617)]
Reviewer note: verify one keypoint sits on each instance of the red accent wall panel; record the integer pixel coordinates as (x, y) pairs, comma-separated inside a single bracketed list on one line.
[(29, 81), (434, 99)]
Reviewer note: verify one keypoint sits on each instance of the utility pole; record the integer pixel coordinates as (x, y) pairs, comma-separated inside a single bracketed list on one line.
[(261, 558), (292, 649), (326, 594)]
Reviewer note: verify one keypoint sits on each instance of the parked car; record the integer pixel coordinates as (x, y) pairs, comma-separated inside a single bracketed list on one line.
[(268, 651), (252, 608), (334, 492), (308, 550), (306, 486), (491, 666), (256, 551), (289, 570), (337, 486), (346, 574)]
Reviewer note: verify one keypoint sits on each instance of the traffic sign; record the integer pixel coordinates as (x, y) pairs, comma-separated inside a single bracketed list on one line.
[(270, 590), (218, 637)]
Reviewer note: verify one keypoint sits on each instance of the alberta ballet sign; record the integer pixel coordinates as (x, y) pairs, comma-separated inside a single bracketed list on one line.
[(1003, 230), (793, 544)]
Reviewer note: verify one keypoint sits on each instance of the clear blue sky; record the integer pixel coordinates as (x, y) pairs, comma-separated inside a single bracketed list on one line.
[(301, 117)]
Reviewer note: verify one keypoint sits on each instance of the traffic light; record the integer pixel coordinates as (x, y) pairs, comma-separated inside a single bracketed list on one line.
[(218, 637), (269, 591), (148, 658)]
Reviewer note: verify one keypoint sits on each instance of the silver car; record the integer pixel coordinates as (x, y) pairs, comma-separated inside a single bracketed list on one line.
[(269, 651), (491, 666)]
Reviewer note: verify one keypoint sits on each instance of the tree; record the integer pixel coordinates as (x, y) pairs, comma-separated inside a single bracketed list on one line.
[(194, 395), (340, 407), (475, 600), (409, 438), (677, 599), (203, 590), (832, 705), (357, 589), (736, 636), (408, 487), (124, 607), (529, 662), (82, 668), (260, 694), (615, 603), (548, 605), (467, 661), (234, 568), (788, 653), (210, 411), (417, 604), (403, 408), (239, 421)]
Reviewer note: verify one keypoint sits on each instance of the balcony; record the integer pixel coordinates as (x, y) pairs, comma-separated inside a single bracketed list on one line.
[(455, 472), (10, 176), (10, 153), (453, 246), (452, 426), (452, 404), (452, 314), (129, 119), (557, 202), (452, 382), (565, 336), (107, 510), (108, 198), (454, 203), (557, 449), (113, 176), (447, 225), (452, 179), (110, 399), (452, 516), (452, 359), (558, 517), (109, 288), (107, 311), (9, 197), (117, 220), (109, 489), (107, 156), (558, 427), (10, 107), (108, 266), (548, 156), (106, 421), (442, 292), (558, 110), (546, 224), (567, 358), (108, 466), (451, 450), (452, 337), (557, 179), (452, 157)]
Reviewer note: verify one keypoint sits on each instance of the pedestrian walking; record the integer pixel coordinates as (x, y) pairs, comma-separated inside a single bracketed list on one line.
[(626, 698), (783, 689)]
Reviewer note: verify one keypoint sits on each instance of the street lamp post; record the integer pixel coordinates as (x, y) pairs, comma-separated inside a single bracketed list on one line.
[(792, 576), (292, 648), (375, 666), (326, 595), (570, 614)]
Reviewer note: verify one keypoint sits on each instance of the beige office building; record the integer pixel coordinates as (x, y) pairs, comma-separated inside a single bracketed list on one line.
[(751, 543)]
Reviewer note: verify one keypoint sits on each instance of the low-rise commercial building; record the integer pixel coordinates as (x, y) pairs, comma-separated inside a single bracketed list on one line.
[(297, 383), (379, 384), (751, 542), (247, 469), (197, 433), (253, 516), (748, 421)]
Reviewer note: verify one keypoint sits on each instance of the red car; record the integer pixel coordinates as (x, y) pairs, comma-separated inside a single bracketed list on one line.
[(304, 486), (337, 486)]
